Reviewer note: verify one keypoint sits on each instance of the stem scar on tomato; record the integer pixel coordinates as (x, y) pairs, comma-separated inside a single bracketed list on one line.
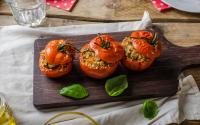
[(105, 43), (152, 41), (66, 48), (61, 48)]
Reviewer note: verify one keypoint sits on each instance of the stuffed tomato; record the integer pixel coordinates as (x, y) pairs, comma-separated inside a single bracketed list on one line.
[(100, 57), (141, 49), (56, 59)]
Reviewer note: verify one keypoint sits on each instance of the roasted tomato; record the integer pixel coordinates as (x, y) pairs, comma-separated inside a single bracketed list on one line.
[(107, 49), (151, 38), (100, 58), (56, 59), (141, 49)]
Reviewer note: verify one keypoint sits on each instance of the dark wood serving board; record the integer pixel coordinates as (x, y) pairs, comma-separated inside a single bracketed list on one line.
[(160, 80)]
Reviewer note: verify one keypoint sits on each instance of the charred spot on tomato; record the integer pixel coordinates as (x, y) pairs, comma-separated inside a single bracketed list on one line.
[(131, 52), (91, 60)]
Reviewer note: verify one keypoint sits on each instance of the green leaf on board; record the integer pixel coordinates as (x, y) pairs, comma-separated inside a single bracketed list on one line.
[(76, 91), (115, 86)]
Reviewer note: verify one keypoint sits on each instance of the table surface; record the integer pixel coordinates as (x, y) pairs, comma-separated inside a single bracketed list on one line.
[(180, 28)]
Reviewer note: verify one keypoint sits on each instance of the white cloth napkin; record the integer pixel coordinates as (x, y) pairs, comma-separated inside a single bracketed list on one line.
[(16, 81)]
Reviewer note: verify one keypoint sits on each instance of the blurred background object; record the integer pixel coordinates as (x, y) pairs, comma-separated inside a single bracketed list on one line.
[(6, 116), (28, 13)]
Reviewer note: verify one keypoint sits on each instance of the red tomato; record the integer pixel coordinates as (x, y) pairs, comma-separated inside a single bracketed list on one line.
[(57, 53), (98, 73), (113, 53), (53, 73), (136, 65), (54, 54), (146, 44), (143, 48), (151, 38)]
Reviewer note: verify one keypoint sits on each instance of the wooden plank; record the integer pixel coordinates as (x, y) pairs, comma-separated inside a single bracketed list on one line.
[(187, 37), (6, 20), (182, 34), (159, 80), (115, 10)]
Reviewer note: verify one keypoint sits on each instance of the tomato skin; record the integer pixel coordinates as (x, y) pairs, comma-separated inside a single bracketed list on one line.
[(140, 34), (136, 65), (111, 55), (53, 55), (144, 48), (57, 53), (98, 73), (141, 42), (53, 73)]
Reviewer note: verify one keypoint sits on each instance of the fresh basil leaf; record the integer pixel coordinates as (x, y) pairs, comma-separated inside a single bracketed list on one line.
[(116, 85), (150, 109), (76, 91)]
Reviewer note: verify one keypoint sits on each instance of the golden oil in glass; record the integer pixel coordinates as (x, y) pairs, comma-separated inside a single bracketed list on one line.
[(6, 117)]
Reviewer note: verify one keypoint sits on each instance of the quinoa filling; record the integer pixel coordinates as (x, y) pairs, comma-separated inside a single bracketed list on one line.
[(90, 59), (131, 52), (50, 66)]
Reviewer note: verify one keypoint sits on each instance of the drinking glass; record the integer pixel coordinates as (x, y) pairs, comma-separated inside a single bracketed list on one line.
[(28, 12), (6, 117)]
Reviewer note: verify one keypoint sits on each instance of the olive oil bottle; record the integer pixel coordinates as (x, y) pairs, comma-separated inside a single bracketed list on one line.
[(6, 117)]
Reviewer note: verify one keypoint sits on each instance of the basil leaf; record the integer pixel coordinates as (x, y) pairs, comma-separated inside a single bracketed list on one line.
[(116, 85), (150, 109), (76, 91)]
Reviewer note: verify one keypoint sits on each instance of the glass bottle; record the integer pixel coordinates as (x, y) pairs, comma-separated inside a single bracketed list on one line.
[(6, 116)]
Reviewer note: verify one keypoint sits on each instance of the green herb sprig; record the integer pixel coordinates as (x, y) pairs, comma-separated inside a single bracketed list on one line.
[(152, 41), (105, 43), (61, 47)]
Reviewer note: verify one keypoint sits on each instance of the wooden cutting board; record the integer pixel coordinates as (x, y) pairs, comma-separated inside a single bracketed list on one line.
[(160, 80)]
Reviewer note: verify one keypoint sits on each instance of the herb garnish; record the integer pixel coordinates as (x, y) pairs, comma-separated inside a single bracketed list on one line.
[(105, 43), (61, 47), (150, 109), (67, 48), (116, 85), (152, 41), (76, 91)]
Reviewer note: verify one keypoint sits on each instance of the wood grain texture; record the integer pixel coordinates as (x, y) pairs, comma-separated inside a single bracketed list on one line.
[(6, 20), (172, 31), (182, 34), (158, 81), (114, 10)]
